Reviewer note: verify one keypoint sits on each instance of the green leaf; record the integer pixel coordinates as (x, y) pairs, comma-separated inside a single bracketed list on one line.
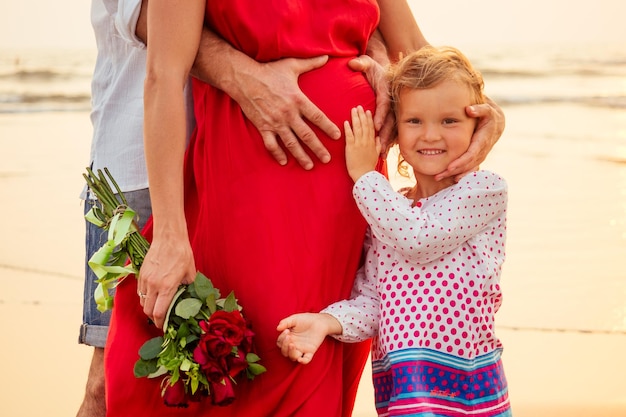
[(211, 304), (188, 307), (252, 357), (204, 287), (144, 368), (194, 385), (151, 348), (256, 369), (185, 365), (183, 330), (192, 338), (230, 303), (162, 370)]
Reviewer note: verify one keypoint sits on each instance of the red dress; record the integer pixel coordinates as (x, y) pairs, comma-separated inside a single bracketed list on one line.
[(285, 240)]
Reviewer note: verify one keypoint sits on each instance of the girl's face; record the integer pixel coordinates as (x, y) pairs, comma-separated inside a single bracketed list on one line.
[(433, 129)]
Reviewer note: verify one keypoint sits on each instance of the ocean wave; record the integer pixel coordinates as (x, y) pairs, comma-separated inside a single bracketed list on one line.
[(23, 103), (611, 102), (39, 75), (37, 103), (618, 71)]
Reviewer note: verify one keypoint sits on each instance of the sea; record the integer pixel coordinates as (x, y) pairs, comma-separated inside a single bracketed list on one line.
[(591, 75), (566, 117)]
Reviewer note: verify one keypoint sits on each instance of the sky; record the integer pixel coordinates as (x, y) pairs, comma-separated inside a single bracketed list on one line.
[(65, 23)]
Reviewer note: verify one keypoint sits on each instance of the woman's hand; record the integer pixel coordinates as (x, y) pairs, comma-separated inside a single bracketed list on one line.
[(168, 264), (488, 130), (383, 117)]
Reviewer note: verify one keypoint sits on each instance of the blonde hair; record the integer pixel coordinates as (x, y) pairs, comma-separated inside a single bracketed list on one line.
[(426, 68)]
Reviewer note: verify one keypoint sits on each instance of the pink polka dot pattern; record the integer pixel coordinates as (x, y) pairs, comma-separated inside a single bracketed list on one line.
[(431, 274)]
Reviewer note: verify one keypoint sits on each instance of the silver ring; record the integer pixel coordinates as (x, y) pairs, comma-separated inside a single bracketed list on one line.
[(141, 295)]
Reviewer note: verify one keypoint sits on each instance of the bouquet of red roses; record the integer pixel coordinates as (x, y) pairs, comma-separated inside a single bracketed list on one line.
[(207, 343)]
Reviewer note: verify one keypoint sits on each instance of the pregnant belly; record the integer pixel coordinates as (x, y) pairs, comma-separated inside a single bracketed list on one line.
[(336, 89)]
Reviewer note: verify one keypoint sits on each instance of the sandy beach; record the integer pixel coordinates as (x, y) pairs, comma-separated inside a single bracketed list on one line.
[(563, 322)]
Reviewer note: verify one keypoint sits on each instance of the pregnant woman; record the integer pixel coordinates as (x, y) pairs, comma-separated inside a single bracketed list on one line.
[(283, 238)]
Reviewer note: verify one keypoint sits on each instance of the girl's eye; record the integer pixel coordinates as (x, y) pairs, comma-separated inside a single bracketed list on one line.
[(448, 121), (414, 121)]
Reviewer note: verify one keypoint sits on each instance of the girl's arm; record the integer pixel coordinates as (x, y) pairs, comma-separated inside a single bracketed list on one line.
[(174, 28), (360, 314), (450, 218), (352, 320)]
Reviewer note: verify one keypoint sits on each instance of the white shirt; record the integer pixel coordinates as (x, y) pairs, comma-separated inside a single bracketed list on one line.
[(117, 93)]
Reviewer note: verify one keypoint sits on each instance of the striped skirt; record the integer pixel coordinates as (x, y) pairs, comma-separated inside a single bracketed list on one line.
[(428, 383)]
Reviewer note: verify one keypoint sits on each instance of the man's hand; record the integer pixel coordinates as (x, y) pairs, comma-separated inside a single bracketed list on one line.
[(271, 98), (488, 130)]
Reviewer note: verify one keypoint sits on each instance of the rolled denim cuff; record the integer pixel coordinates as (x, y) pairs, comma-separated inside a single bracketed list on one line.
[(93, 335)]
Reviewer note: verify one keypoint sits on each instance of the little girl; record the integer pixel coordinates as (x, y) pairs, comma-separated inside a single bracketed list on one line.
[(429, 287)]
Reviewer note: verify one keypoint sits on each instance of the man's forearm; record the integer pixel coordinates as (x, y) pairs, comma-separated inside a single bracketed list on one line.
[(218, 63)]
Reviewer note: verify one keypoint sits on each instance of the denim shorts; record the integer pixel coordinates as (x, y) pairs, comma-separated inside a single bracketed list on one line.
[(95, 326)]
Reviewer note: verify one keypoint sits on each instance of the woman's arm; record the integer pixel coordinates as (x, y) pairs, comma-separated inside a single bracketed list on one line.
[(174, 29), (268, 94), (398, 28), (397, 35)]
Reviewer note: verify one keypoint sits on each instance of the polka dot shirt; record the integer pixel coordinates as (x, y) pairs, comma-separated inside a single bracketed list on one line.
[(431, 273)]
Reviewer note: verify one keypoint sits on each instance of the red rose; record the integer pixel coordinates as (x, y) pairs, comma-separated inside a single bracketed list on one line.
[(222, 393), (246, 343), (174, 395), (236, 363), (214, 370), (221, 333), (211, 346), (228, 325)]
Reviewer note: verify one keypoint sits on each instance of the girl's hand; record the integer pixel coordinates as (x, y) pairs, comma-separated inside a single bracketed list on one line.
[(302, 334), (362, 147)]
